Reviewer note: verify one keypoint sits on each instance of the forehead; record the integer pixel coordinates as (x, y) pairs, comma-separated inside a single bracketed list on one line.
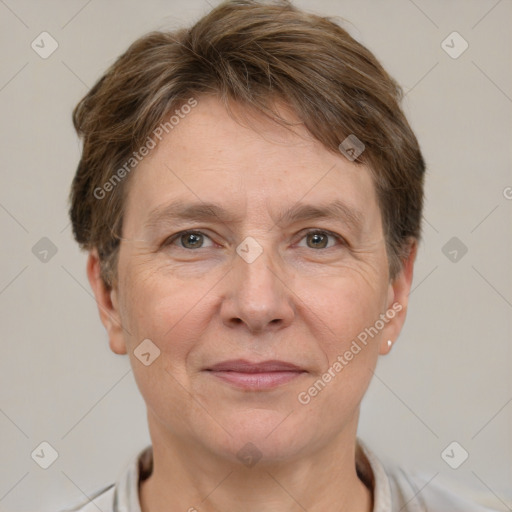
[(244, 159)]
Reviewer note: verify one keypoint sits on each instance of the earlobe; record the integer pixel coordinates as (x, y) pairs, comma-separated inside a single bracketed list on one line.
[(398, 299), (387, 347), (107, 302)]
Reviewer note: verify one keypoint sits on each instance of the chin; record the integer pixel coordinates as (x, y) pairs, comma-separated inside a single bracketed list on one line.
[(263, 435)]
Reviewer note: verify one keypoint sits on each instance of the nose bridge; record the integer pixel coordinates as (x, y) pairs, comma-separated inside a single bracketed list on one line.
[(258, 296), (261, 275)]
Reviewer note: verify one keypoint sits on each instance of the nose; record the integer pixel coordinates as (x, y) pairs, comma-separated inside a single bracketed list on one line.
[(257, 295)]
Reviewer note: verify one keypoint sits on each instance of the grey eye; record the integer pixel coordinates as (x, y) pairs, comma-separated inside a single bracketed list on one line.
[(318, 240), (192, 240)]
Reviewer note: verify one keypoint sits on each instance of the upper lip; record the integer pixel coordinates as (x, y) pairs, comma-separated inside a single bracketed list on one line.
[(242, 365)]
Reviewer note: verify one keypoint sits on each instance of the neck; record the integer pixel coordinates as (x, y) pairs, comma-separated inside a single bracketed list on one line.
[(187, 477)]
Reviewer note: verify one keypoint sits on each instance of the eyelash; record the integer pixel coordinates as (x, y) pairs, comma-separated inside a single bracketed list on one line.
[(177, 236)]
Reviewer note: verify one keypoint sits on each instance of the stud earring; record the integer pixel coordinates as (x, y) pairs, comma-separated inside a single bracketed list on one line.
[(390, 343)]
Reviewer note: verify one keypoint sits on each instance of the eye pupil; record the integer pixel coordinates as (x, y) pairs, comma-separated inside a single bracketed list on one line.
[(192, 240)]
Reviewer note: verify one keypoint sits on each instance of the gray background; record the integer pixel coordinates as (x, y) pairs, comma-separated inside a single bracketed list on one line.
[(447, 379)]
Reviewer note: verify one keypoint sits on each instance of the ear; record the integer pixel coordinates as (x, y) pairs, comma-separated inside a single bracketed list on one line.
[(108, 306), (398, 300)]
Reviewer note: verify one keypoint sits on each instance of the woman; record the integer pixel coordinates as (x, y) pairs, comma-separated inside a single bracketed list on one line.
[(250, 194)]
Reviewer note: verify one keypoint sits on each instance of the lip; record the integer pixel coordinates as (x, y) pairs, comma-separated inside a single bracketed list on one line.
[(244, 366), (255, 376)]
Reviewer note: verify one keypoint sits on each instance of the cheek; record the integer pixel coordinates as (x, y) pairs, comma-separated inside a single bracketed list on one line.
[(340, 308), (167, 310), (336, 391), (340, 314)]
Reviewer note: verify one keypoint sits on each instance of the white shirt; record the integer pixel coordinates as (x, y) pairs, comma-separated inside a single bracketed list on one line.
[(393, 490)]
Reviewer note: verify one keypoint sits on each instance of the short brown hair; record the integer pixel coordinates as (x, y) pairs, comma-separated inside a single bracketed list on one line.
[(252, 52)]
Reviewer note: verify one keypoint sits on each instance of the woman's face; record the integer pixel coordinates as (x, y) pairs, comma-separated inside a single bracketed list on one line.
[(286, 261)]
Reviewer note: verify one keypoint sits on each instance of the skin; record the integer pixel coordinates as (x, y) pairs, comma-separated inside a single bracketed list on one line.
[(296, 302)]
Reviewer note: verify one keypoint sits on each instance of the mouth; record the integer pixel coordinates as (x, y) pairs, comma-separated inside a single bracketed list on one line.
[(255, 376)]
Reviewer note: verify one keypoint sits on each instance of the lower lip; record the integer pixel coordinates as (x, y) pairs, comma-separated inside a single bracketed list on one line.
[(256, 381)]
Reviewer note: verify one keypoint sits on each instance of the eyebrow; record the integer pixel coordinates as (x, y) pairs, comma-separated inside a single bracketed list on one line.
[(300, 212), (336, 209), (180, 210)]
